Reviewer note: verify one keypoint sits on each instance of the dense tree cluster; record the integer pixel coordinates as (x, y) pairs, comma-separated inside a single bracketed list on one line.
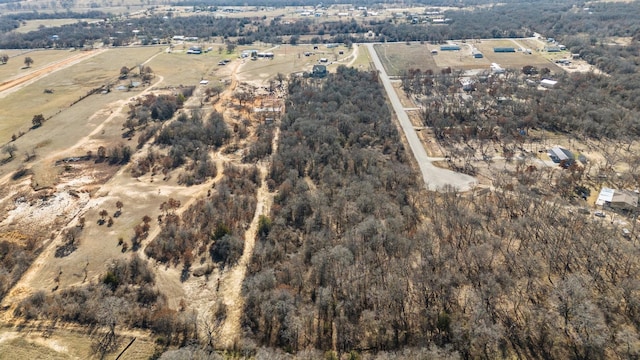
[(345, 264), (262, 146), (124, 296), (189, 140), (583, 104), (342, 216), (212, 227)]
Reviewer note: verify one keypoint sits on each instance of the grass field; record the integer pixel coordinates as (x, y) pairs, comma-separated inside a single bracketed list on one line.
[(41, 58), (363, 61), (399, 57), (32, 25), (63, 344), (17, 109), (190, 68)]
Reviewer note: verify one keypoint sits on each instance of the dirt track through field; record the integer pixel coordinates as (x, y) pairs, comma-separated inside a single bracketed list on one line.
[(231, 282), (16, 83)]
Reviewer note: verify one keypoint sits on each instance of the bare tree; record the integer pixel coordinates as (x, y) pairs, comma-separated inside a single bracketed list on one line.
[(10, 149)]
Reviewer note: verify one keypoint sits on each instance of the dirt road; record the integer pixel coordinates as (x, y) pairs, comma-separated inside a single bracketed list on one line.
[(16, 83)]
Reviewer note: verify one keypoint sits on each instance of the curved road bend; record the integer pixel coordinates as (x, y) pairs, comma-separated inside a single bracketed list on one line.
[(435, 178)]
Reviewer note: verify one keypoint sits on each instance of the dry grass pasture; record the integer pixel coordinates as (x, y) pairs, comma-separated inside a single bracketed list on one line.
[(64, 192), (32, 25), (41, 58), (68, 85), (400, 57), (65, 343)]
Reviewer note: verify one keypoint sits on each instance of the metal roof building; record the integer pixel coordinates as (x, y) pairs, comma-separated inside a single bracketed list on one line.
[(618, 199), (558, 154)]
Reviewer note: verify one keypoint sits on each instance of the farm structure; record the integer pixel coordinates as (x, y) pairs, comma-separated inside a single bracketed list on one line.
[(449, 48), (319, 71), (504, 49), (617, 199), (559, 154), (195, 50), (548, 83)]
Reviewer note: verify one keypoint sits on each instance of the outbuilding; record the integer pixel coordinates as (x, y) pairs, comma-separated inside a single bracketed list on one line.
[(449, 48), (319, 71), (548, 83), (617, 199), (559, 154)]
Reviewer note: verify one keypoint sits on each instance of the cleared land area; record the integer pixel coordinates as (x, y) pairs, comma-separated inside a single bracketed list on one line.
[(400, 57), (68, 85), (42, 59), (33, 25), (291, 59)]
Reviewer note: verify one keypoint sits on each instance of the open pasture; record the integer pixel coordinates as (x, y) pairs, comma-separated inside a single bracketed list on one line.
[(68, 85), (32, 25), (400, 57), (41, 58)]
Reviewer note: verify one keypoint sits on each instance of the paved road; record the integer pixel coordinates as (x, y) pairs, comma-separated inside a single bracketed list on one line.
[(435, 178)]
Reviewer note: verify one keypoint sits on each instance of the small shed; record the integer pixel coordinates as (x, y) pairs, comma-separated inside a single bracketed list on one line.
[(477, 54), (548, 83)]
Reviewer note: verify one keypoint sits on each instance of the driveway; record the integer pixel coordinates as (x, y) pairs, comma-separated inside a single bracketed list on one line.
[(435, 178)]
